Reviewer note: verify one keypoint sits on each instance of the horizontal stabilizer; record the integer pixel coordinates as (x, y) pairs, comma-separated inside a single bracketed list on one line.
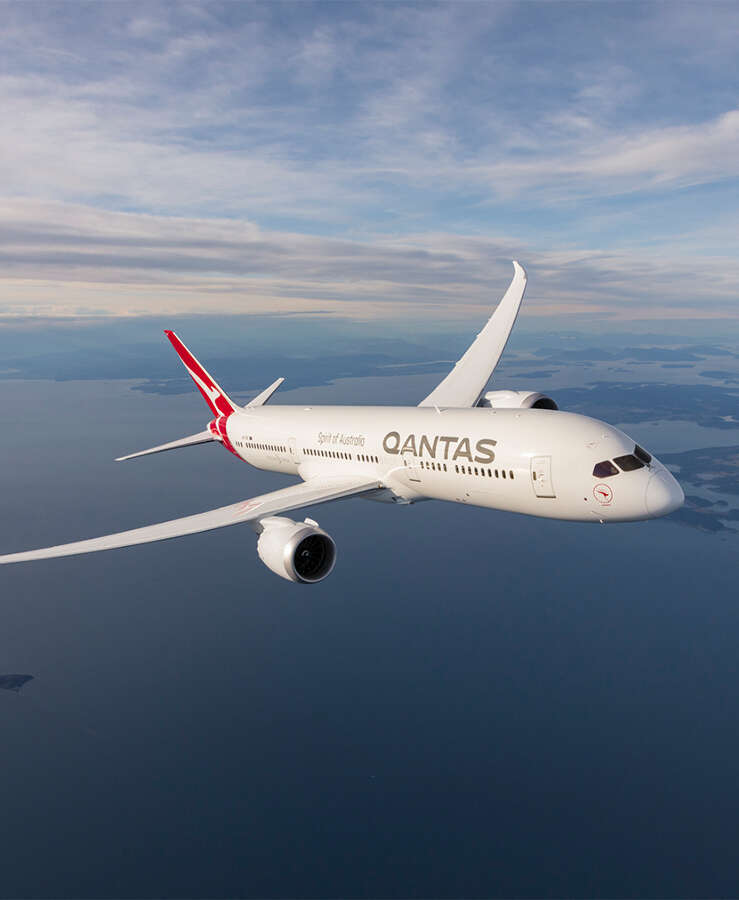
[(262, 398), (202, 437)]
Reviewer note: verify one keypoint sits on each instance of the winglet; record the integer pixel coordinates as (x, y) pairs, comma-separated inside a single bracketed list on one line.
[(217, 399)]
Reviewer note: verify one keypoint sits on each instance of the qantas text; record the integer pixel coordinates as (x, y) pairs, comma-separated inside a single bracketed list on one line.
[(442, 446)]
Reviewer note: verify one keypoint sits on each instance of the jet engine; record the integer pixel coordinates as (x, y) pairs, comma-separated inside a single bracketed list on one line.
[(516, 400), (298, 551)]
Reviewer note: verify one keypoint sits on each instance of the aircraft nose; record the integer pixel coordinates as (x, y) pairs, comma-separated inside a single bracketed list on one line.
[(664, 495)]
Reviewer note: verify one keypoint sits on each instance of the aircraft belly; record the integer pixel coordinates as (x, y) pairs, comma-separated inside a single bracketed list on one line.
[(482, 498)]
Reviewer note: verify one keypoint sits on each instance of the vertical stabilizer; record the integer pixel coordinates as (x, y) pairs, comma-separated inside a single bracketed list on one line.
[(213, 394)]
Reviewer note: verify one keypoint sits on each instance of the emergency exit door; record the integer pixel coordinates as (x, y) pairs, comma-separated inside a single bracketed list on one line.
[(541, 476)]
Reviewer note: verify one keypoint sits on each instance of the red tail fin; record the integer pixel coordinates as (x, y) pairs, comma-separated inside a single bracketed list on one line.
[(213, 394)]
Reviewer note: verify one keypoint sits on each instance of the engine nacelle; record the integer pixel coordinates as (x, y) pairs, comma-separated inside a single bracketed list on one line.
[(297, 551), (516, 400)]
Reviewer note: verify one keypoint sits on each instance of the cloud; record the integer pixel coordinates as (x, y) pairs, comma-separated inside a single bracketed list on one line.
[(363, 155), (188, 116), (57, 258)]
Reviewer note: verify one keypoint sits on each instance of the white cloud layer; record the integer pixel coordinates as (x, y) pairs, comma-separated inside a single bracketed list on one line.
[(60, 259), (239, 156)]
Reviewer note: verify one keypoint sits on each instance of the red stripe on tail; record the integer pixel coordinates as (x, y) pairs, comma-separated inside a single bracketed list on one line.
[(213, 394)]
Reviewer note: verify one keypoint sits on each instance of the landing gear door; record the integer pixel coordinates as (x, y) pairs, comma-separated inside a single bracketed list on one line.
[(411, 465), (541, 476)]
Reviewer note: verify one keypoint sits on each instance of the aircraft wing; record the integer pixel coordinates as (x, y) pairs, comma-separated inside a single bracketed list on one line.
[(308, 493), (464, 385)]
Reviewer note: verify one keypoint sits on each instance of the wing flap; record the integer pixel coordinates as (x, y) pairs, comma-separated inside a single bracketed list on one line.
[(465, 383), (309, 493)]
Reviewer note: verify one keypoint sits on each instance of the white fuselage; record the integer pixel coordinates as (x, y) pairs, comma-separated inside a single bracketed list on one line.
[(507, 450), (531, 461)]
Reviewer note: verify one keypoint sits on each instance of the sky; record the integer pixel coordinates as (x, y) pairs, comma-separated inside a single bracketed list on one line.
[(474, 703), (369, 160)]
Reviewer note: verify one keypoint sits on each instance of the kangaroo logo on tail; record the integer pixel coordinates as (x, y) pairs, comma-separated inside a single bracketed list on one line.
[(217, 399)]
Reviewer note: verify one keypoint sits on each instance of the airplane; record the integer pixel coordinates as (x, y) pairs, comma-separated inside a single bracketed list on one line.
[(501, 449)]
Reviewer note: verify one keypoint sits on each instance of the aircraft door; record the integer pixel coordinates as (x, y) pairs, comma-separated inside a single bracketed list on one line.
[(293, 448), (411, 464), (541, 476)]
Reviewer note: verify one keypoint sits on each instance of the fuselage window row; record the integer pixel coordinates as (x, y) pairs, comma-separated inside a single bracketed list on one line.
[(370, 458), (328, 454), (253, 445), (435, 467), (469, 470)]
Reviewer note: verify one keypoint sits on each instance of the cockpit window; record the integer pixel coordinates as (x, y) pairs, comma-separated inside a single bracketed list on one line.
[(604, 469), (628, 463), (642, 454)]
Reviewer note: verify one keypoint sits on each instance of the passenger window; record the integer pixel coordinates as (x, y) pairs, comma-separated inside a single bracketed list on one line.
[(604, 469), (628, 463)]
